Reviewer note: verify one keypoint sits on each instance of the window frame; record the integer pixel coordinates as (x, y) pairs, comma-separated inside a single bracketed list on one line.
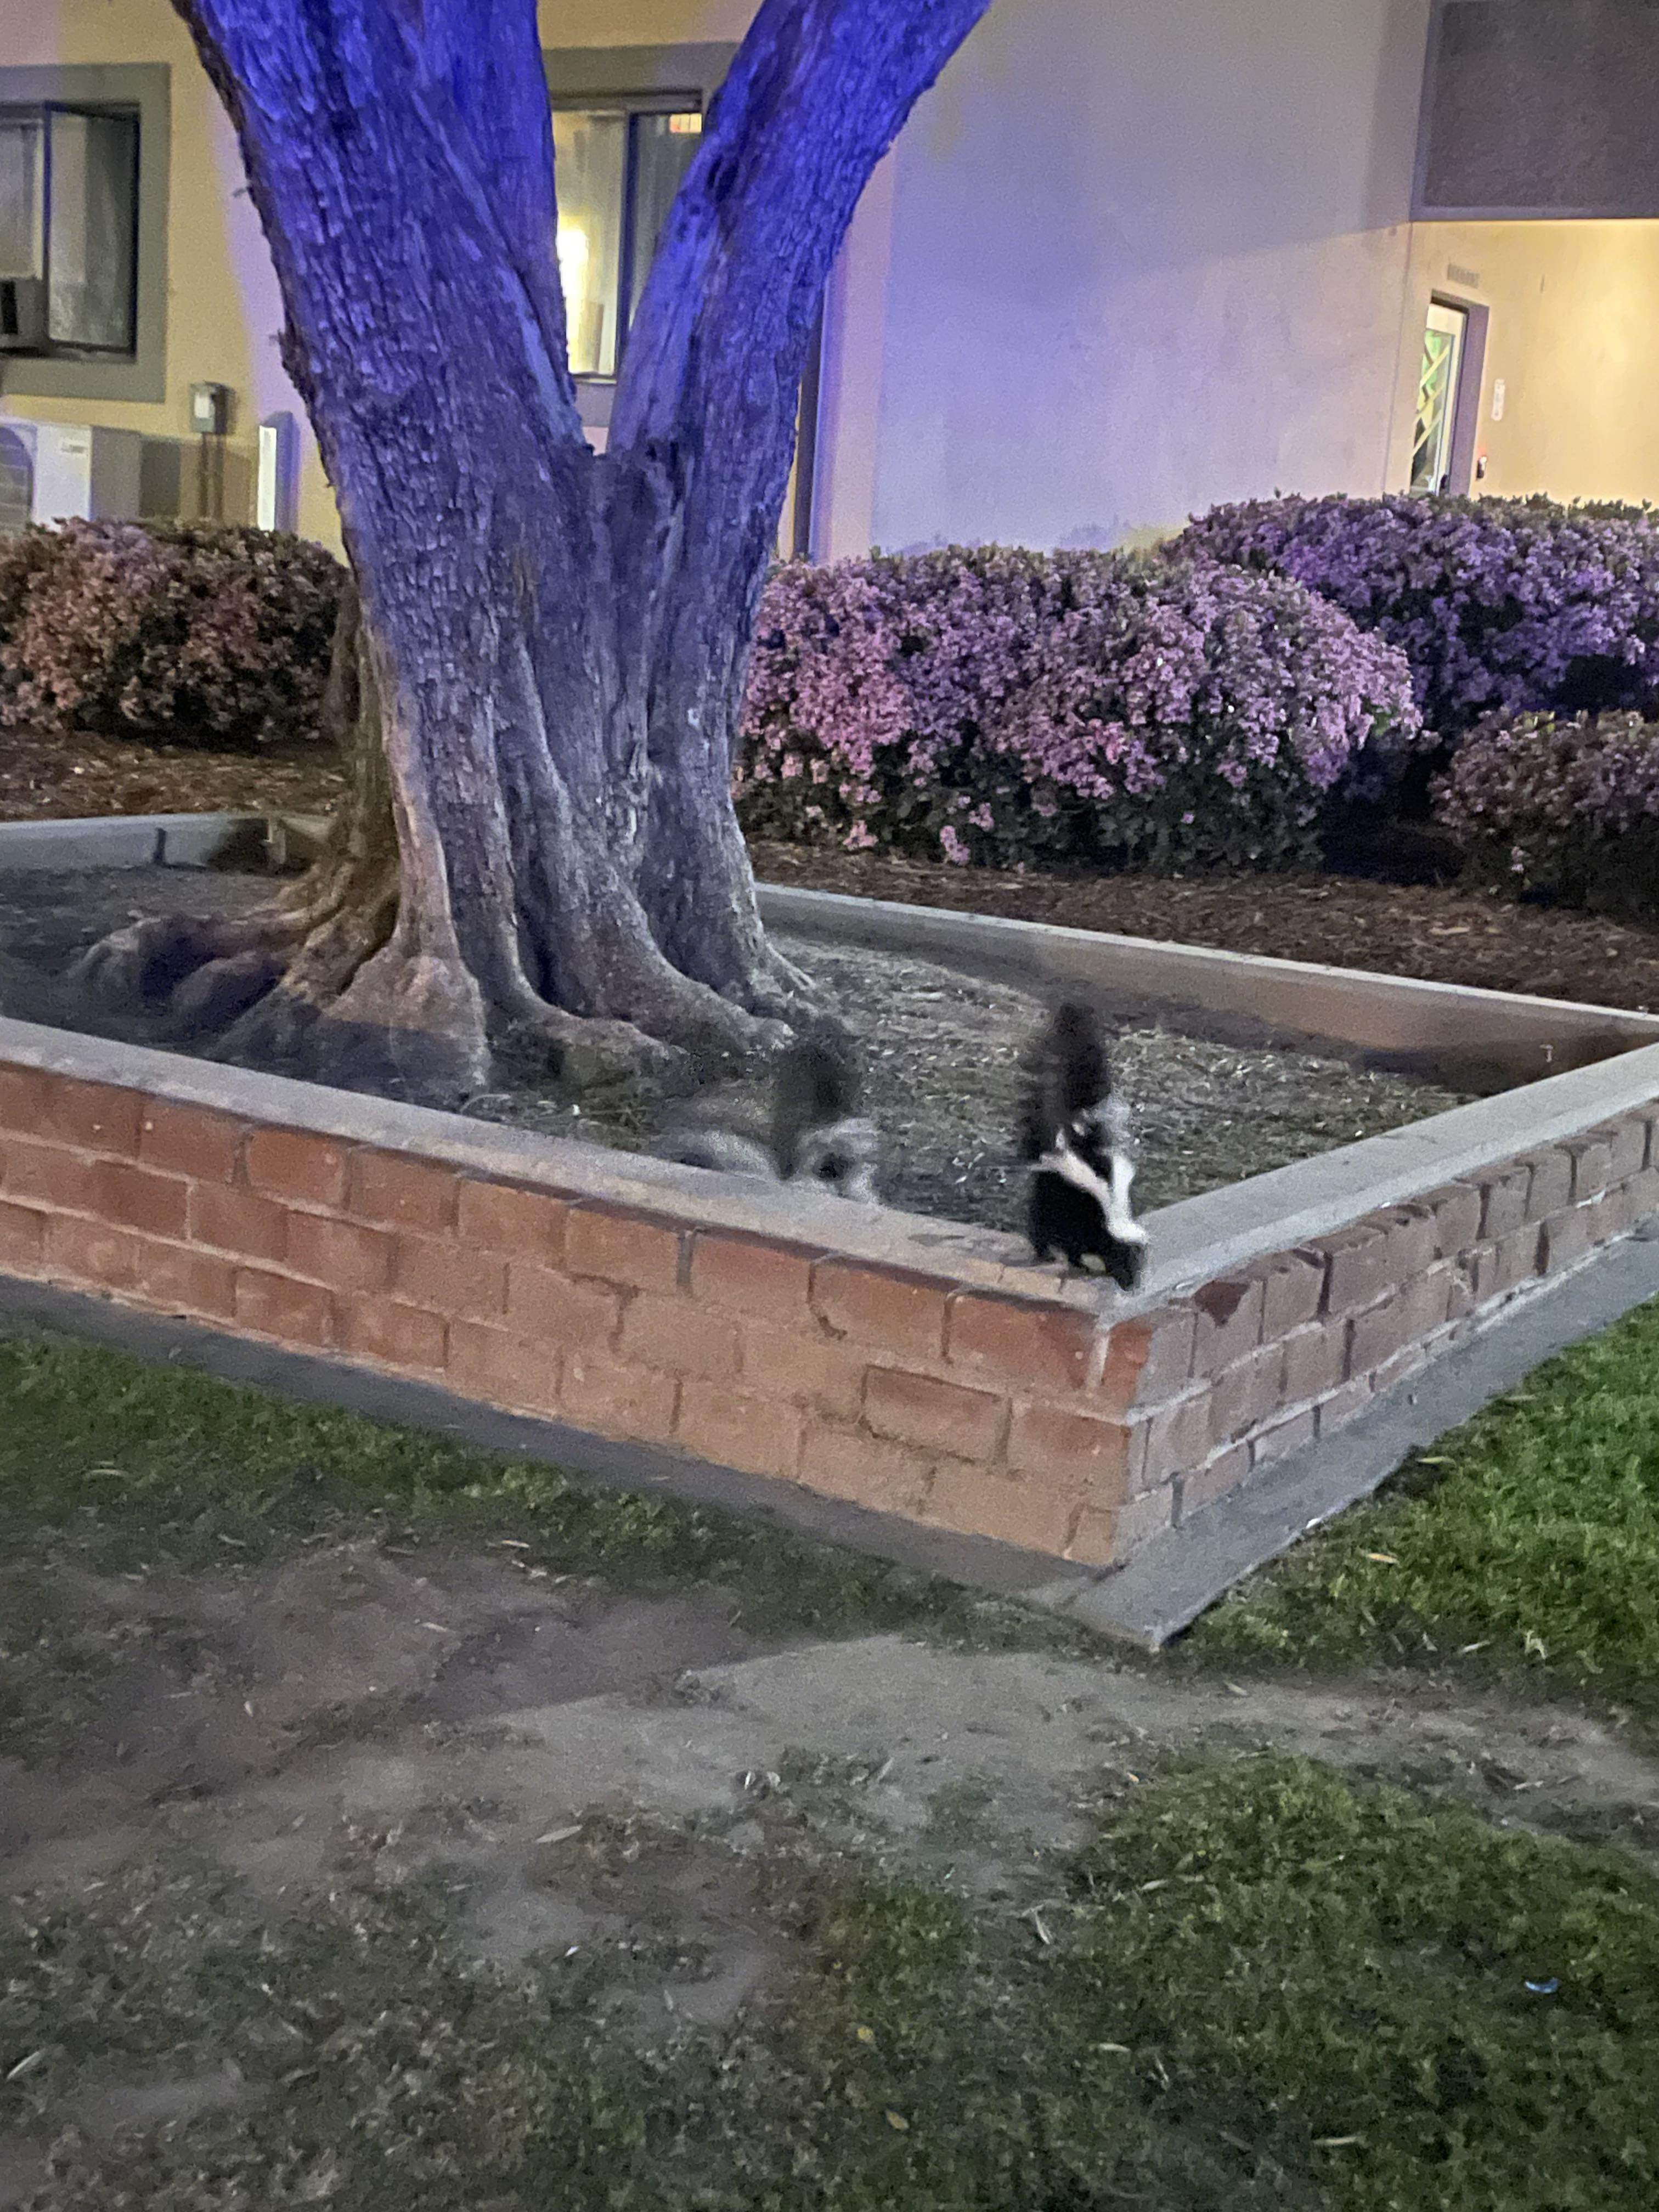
[(642, 79), (144, 89)]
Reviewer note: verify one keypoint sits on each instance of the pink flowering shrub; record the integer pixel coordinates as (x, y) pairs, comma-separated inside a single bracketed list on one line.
[(1567, 810), (1004, 706), (1501, 605), (194, 632)]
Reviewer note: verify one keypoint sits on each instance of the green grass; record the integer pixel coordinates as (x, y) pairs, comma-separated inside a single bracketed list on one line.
[(159, 1463), (1531, 1534), (1258, 1985)]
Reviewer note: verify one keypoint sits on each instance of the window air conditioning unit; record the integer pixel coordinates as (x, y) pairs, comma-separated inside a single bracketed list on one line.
[(54, 471), (22, 314)]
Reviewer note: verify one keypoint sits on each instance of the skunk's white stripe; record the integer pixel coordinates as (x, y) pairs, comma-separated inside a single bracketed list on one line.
[(1112, 1195)]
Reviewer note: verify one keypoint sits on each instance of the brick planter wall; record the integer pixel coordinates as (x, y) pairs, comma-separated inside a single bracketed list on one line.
[(1039, 1419)]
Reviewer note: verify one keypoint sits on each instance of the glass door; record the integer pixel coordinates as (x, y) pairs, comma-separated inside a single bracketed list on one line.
[(1443, 342)]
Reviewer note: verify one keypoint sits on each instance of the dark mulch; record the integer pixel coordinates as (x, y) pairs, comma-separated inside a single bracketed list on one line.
[(1441, 935), (43, 776)]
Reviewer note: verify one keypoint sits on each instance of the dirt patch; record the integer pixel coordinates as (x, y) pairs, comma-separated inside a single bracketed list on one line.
[(1424, 930), (46, 777), (295, 1810), (942, 1048)]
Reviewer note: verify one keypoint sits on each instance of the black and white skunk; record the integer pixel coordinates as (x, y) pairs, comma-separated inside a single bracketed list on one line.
[(818, 1134), (1076, 1136)]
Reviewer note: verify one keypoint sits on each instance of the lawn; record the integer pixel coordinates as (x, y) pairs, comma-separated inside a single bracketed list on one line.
[(1525, 1544), (134, 1461), (1257, 1984)]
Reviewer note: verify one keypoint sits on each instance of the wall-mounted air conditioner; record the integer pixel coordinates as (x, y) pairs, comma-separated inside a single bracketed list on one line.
[(51, 471), (22, 314)]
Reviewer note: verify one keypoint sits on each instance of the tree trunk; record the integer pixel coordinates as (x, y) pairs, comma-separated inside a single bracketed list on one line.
[(543, 661)]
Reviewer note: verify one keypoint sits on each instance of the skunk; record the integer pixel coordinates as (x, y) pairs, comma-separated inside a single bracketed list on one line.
[(816, 1134), (819, 1135), (1076, 1136)]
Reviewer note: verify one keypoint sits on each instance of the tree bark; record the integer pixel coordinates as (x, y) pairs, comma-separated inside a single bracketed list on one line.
[(544, 659)]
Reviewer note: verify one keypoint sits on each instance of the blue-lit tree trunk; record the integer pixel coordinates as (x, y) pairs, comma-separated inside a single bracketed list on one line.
[(552, 645)]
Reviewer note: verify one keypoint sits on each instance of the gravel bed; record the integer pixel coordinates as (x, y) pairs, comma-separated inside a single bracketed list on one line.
[(943, 1051)]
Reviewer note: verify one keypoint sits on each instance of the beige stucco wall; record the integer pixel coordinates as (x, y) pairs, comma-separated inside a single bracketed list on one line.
[(1573, 335)]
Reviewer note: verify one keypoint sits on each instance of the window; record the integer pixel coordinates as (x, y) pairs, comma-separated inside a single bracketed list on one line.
[(68, 224), (617, 166)]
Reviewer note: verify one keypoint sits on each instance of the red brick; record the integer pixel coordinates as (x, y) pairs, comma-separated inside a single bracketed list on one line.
[(1223, 1474), (1501, 1268), (1643, 1190), (406, 1192), (445, 1278), (90, 1252), (1592, 1163), (502, 1217), (1459, 1292), (1378, 1333), (747, 1275), (1550, 1186), (294, 1164), (806, 1369), (1612, 1214), (600, 1393), (884, 1306), (1041, 1346), (1358, 1267), (338, 1253), (1293, 1291), (940, 1416), (517, 1371), (1229, 1322), (46, 1175), (1283, 1437), (25, 1099), (1456, 1209), (1149, 1359), (983, 1501), (1413, 1241), (622, 1248), (738, 1428), (21, 1237), (1247, 1392), (95, 1115), (1566, 1240), (1407, 1363), (679, 1334), (1178, 1438), (236, 1221), (1428, 1301), (558, 1311), (138, 1200), (1316, 1359), (189, 1140), (1106, 1537), (276, 1305), (1629, 1139), (1342, 1405), (1504, 1192), (838, 1461), (1073, 1448), (181, 1280), (397, 1335)]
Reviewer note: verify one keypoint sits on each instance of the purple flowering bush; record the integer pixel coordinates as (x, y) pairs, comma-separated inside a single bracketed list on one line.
[(1505, 606), (193, 633), (1567, 810), (1006, 706)]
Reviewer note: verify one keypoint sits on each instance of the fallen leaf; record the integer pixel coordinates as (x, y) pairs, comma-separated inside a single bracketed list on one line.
[(27, 2065), (1383, 1559), (897, 2120), (560, 1835), (867, 2035)]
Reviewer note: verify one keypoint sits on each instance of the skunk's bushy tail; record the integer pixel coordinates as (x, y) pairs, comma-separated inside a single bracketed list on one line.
[(817, 1085), (1068, 1077)]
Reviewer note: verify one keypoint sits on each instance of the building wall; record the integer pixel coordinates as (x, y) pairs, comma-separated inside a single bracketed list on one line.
[(1573, 337), (1146, 256)]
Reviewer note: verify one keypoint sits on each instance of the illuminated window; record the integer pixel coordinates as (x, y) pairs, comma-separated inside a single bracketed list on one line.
[(69, 223), (617, 166)]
